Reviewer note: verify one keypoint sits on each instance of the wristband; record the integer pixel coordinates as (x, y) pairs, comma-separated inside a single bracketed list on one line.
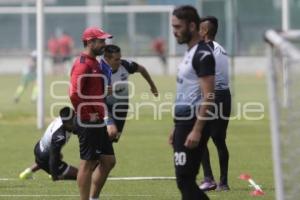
[(108, 121)]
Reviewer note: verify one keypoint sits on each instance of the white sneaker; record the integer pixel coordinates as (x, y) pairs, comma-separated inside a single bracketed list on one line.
[(208, 185)]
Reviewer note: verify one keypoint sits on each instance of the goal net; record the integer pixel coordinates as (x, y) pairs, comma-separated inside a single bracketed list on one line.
[(284, 100)]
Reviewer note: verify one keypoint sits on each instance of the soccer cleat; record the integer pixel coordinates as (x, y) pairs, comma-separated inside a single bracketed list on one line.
[(26, 174), (222, 187), (208, 185)]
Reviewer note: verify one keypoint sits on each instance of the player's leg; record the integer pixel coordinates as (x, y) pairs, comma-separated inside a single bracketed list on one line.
[(40, 159), (71, 174), (68, 64), (84, 177), (57, 64), (163, 59), (65, 172), (28, 172), (21, 88), (205, 162), (208, 183), (120, 119), (107, 162), (90, 150), (100, 174), (187, 162), (34, 92), (219, 138), (223, 160)]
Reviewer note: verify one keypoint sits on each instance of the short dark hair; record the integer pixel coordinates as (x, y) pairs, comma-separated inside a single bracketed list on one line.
[(187, 13), (212, 31), (67, 114), (110, 49)]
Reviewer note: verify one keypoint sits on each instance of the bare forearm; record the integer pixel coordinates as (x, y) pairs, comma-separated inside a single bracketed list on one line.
[(200, 121), (146, 76), (202, 114)]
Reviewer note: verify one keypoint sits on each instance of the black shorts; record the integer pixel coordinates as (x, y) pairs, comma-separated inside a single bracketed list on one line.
[(42, 160), (187, 161), (218, 127), (93, 142), (120, 123), (119, 117)]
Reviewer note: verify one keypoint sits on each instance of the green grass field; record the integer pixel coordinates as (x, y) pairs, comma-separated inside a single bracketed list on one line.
[(142, 151)]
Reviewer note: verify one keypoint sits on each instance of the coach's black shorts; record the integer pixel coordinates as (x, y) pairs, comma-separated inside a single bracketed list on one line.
[(42, 160), (93, 141), (218, 127), (187, 161)]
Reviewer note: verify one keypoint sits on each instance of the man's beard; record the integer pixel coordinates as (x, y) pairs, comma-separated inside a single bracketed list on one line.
[(101, 51), (185, 38), (98, 52)]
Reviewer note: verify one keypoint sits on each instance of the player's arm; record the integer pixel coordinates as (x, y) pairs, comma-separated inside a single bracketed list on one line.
[(207, 87), (108, 118), (111, 127), (106, 70), (57, 142), (148, 78), (204, 65), (133, 67)]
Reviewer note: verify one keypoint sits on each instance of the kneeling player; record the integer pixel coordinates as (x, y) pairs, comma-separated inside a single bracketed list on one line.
[(48, 150)]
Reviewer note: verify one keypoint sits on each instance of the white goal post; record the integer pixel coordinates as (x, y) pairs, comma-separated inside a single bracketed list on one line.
[(284, 105)]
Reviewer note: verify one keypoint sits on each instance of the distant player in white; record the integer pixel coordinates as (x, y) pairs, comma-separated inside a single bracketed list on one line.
[(48, 149), (217, 127)]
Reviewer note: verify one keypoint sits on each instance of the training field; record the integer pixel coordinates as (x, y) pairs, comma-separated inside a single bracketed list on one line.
[(142, 151)]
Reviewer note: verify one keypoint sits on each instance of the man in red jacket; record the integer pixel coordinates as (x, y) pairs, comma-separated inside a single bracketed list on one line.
[(87, 96)]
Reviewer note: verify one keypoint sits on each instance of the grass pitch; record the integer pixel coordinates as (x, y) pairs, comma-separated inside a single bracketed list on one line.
[(142, 150)]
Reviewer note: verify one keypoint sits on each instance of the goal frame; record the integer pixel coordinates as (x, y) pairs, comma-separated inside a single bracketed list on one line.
[(281, 41)]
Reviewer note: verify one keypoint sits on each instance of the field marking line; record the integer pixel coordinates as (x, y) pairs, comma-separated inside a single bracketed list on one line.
[(141, 178), (7, 179), (72, 195), (133, 178)]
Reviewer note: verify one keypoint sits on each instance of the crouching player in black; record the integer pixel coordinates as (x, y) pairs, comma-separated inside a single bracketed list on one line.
[(47, 151)]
